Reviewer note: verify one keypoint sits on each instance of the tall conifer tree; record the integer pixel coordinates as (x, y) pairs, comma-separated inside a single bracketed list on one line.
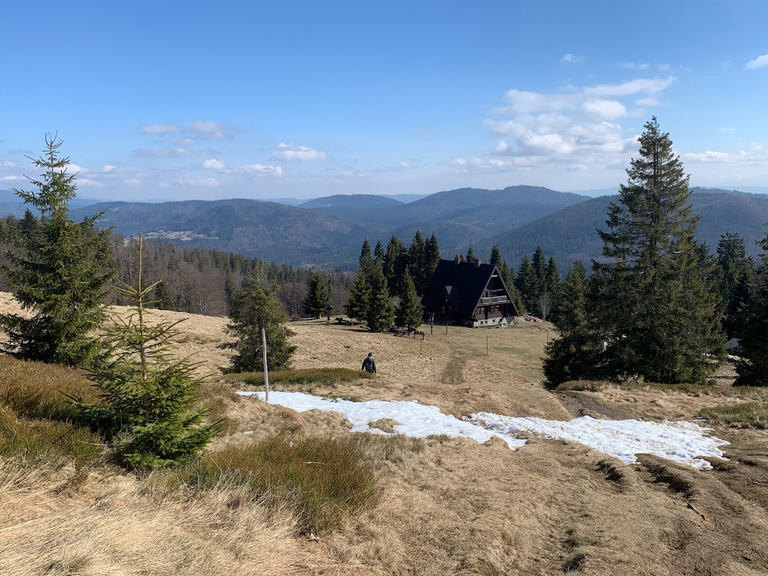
[(359, 297), (753, 368), (409, 312), (318, 296), (431, 260), (381, 311), (734, 278), (60, 275), (656, 314), (575, 355)]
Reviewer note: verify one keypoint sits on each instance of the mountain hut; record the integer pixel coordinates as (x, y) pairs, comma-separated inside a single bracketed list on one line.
[(468, 294)]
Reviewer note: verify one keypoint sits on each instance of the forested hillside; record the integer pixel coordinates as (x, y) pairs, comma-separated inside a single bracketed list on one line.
[(570, 234)]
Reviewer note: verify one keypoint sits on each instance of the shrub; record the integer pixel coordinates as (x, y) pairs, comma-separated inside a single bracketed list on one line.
[(323, 480)]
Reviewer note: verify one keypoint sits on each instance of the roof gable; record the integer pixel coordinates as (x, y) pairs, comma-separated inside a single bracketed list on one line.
[(470, 279)]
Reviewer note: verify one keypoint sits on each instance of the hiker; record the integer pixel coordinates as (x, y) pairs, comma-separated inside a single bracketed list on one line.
[(369, 364)]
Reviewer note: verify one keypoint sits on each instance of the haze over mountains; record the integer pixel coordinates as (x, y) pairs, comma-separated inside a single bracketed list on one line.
[(328, 231)]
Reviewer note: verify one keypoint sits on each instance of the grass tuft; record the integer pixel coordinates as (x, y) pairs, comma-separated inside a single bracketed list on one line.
[(323, 480), (746, 415), (36, 440), (37, 390), (309, 376)]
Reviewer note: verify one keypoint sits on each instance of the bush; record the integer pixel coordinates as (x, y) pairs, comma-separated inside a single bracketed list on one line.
[(323, 480), (325, 376), (746, 415)]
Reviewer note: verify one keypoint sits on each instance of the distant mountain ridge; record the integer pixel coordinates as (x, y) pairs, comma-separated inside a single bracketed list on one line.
[(571, 233), (518, 218)]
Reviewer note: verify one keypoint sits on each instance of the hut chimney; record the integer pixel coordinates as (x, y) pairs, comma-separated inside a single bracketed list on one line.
[(478, 262), (457, 260)]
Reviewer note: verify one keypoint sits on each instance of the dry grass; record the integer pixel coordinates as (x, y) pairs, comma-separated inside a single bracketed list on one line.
[(446, 506), (744, 415)]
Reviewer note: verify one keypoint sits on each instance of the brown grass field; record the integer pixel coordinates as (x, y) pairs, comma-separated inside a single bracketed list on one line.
[(445, 506)]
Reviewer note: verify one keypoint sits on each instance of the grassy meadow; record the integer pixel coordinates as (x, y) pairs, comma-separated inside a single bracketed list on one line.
[(281, 492)]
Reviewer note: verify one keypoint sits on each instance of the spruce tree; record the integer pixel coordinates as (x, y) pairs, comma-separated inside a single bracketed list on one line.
[(394, 264), (381, 311), (359, 297), (735, 285), (365, 262), (552, 288), (416, 261), (256, 308), (318, 296), (162, 296), (752, 370), (60, 274), (431, 260), (28, 224), (378, 253), (470, 257), (659, 319), (409, 311), (146, 412), (527, 285), (575, 354)]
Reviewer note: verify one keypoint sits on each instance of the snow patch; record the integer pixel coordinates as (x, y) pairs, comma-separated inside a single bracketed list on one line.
[(682, 442), (414, 419)]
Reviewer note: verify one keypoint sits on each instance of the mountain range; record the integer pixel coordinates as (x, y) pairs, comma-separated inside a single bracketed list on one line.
[(328, 231)]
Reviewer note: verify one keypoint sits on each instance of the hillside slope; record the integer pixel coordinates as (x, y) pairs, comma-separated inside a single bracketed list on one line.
[(259, 229), (570, 234)]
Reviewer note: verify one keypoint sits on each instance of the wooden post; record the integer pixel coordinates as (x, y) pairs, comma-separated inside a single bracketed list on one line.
[(486, 345), (421, 344), (266, 372), (446, 327)]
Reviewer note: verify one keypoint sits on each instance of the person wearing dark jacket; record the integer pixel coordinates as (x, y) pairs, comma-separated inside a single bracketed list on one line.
[(369, 364)]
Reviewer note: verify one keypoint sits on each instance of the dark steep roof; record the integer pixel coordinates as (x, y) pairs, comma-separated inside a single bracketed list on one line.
[(464, 282)]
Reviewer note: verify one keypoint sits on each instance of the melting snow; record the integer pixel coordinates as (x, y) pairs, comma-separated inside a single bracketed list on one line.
[(414, 419), (679, 441)]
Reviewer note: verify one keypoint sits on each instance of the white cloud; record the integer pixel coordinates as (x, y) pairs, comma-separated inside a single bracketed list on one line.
[(609, 109), (132, 182), (7, 164), (292, 153), (108, 168), (213, 164), (9, 178), (261, 170), (634, 66), (576, 129), (159, 129), (165, 152), (405, 165), (212, 130), (758, 62), (461, 162), (727, 129), (184, 141), (89, 183), (572, 59), (201, 182), (354, 174)]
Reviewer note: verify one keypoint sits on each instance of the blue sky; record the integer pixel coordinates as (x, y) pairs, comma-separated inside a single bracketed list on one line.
[(182, 100)]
